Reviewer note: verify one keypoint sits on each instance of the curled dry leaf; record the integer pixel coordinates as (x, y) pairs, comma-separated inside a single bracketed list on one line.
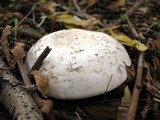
[(156, 63), (41, 82), (7, 15), (87, 3), (152, 82), (5, 44), (18, 51), (121, 3), (153, 44), (48, 7)]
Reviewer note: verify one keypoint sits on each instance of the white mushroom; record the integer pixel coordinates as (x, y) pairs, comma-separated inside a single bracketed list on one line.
[(81, 63)]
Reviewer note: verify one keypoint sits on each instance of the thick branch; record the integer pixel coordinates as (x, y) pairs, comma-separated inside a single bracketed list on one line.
[(15, 98)]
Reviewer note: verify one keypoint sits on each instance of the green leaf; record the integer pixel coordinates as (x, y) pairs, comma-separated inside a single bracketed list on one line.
[(42, 1), (124, 18), (32, 30), (155, 23), (12, 21)]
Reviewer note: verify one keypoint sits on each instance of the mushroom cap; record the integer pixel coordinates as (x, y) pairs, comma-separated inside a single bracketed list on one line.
[(81, 63)]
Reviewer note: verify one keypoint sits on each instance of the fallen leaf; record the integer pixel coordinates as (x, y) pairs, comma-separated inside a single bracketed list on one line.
[(121, 3), (125, 40), (156, 63), (153, 44), (150, 81), (156, 100), (19, 117), (87, 3), (4, 43), (18, 51), (7, 15), (48, 7), (74, 21), (42, 1), (41, 82)]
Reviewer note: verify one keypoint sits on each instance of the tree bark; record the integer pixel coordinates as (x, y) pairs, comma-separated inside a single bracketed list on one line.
[(15, 98)]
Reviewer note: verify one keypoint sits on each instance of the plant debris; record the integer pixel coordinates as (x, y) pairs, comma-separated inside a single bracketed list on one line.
[(136, 24)]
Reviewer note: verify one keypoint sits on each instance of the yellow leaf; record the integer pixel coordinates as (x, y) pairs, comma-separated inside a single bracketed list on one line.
[(156, 100), (69, 19), (73, 21), (41, 82), (125, 40)]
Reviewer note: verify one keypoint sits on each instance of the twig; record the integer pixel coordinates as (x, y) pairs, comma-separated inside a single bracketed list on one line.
[(40, 59), (132, 28), (156, 111), (107, 89), (72, 11), (23, 72), (45, 105), (25, 33), (79, 9), (78, 115), (76, 5), (146, 107), (132, 9), (136, 5), (25, 17), (40, 102), (137, 89)]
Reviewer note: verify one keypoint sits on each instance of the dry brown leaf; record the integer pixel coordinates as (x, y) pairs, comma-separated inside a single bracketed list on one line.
[(151, 83), (19, 117), (87, 3), (7, 15), (5, 44), (18, 51), (156, 63), (121, 3), (41, 82), (153, 44), (48, 7)]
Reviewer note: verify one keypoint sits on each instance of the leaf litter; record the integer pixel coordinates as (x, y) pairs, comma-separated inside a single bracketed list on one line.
[(95, 15)]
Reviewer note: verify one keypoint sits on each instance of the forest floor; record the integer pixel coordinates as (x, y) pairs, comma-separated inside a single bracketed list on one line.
[(135, 23)]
